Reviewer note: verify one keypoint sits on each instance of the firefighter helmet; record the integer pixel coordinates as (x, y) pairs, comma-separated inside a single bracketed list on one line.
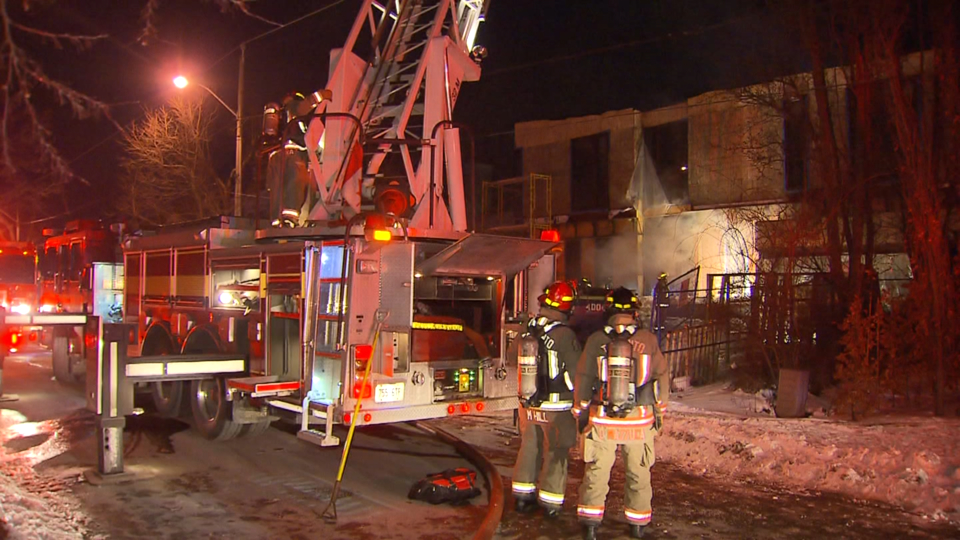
[(622, 300), (559, 296)]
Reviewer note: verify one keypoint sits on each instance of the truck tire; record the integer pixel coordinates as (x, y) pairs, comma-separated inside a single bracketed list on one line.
[(211, 410), (255, 430), (167, 396)]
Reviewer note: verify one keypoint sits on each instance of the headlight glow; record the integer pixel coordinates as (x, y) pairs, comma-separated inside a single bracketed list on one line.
[(226, 298), (22, 309)]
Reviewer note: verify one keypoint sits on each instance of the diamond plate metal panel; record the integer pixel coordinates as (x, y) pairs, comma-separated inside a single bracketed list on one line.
[(396, 284)]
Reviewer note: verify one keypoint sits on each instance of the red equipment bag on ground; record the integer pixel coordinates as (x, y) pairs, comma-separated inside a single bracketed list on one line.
[(450, 486)]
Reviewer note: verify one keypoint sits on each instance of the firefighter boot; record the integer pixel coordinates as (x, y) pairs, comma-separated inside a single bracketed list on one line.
[(525, 507), (590, 531), (636, 531)]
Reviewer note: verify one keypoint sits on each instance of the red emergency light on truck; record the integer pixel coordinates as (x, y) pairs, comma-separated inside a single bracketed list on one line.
[(18, 289)]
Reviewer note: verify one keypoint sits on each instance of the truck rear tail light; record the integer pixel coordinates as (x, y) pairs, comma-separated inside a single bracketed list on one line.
[(367, 417), (367, 390), (346, 418), (480, 407), (465, 407), (451, 409)]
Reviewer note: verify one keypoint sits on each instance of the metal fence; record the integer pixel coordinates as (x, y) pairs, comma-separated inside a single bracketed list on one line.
[(762, 320)]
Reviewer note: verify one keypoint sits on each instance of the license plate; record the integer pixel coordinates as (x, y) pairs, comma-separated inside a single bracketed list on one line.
[(389, 392)]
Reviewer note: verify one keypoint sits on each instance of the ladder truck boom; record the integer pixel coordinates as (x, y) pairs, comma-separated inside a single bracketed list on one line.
[(374, 292)]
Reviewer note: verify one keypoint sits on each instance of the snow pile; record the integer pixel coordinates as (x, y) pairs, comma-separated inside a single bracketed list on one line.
[(910, 462), (31, 516), (33, 505)]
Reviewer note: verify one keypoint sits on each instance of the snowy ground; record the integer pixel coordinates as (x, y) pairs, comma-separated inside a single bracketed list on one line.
[(909, 462), (912, 462), (32, 506)]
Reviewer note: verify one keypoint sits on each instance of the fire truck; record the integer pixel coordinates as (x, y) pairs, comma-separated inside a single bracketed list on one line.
[(80, 274), (18, 289), (378, 298)]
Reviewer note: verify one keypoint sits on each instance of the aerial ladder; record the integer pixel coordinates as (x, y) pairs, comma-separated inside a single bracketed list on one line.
[(398, 107)]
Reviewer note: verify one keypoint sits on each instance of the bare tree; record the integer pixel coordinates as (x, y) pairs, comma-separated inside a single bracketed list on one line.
[(168, 175), (927, 140), (31, 167)]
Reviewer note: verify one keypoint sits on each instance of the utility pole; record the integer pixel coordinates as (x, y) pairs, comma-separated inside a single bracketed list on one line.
[(238, 186)]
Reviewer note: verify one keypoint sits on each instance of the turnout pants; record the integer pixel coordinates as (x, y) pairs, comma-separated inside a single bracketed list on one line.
[(289, 182), (546, 439), (599, 457)]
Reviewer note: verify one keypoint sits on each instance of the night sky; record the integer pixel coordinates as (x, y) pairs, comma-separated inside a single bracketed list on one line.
[(546, 60)]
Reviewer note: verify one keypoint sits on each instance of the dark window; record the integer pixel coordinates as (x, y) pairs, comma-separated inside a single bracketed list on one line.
[(666, 146), (796, 143), (873, 152), (63, 261), (49, 262), (76, 261), (17, 268), (590, 172)]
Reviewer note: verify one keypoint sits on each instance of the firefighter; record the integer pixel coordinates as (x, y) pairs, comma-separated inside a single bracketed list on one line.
[(621, 388), (547, 356), (288, 174)]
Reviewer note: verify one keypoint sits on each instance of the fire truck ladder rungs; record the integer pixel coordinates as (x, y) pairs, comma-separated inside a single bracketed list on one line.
[(398, 75)]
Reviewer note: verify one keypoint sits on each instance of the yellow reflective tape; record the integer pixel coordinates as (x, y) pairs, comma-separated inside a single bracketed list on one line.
[(567, 299), (437, 326)]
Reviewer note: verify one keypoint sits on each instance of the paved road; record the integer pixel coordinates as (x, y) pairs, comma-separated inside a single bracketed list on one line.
[(182, 486)]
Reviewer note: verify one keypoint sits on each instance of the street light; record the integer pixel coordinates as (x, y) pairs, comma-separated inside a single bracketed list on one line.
[(181, 82)]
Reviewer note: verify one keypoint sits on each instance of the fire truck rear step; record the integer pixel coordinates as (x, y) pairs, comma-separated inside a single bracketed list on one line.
[(264, 386)]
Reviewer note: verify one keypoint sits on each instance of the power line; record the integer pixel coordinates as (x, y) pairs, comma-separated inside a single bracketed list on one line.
[(274, 30)]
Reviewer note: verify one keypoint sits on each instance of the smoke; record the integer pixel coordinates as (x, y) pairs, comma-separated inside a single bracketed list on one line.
[(617, 261)]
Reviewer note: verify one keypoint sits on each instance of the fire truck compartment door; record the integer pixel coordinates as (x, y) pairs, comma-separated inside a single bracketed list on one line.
[(485, 255), (396, 279)]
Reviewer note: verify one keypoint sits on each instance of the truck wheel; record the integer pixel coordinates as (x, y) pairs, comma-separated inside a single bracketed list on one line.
[(61, 357), (211, 410), (255, 430), (168, 395), (168, 398)]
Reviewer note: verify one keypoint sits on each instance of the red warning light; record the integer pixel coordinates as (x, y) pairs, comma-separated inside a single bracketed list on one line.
[(367, 390), (465, 407), (550, 235), (451, 409), (363, 352), (367, 417), (346, 418), (480, 407)]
